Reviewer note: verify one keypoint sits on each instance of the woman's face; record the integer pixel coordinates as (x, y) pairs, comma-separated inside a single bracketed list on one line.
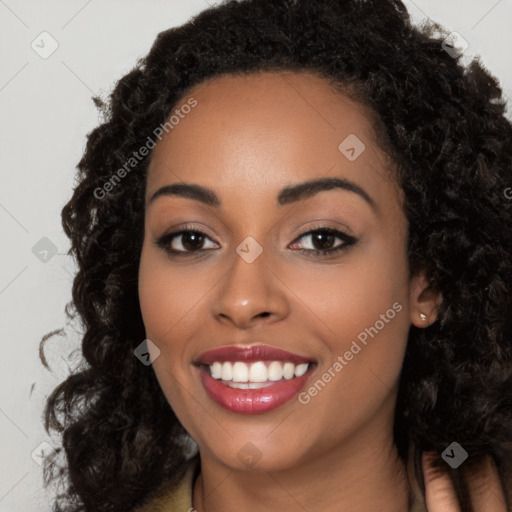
[(246, 139)]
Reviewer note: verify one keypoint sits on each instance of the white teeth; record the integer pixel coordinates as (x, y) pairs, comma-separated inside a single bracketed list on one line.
[(255, 375), (216, 370), (258, 372), (275, 371), (240, 372), (227, 371), (248, 385), (301, 369), (288, 371)]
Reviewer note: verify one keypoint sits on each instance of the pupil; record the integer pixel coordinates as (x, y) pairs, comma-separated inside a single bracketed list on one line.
[(195, 237), (323, 239)]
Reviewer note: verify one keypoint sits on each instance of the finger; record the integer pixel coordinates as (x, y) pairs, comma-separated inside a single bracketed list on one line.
[(440, 495), (485, 488)]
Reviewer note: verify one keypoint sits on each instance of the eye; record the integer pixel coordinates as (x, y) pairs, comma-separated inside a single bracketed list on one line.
[(324, 237), (185, 242), (189, 241)]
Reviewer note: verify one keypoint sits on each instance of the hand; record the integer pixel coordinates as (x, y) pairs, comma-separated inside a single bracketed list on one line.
[(484, 485)]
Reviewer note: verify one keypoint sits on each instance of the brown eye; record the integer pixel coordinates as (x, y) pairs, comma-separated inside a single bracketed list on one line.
[(323, 241), (191, 241), (183, 242)]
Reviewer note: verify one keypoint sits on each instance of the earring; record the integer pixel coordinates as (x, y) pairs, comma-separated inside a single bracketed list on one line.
[(423, 316)]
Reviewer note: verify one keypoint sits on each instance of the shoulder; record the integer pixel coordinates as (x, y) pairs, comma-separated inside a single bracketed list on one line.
[(169, 498)]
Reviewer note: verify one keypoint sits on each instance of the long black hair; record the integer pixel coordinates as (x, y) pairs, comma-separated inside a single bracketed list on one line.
[(445, 128)]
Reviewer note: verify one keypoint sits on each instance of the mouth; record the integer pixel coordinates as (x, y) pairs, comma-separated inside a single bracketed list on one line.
[(253, 380), (241, 375)]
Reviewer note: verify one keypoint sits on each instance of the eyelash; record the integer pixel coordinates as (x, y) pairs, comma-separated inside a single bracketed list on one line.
[(165, 241)]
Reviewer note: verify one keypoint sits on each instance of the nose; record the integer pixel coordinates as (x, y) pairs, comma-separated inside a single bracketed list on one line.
[(250, 294)]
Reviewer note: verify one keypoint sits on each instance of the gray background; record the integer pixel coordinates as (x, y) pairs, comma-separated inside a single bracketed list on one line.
[(46, 111)]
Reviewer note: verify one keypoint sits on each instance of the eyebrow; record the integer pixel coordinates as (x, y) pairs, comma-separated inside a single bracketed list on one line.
[(287, 195)]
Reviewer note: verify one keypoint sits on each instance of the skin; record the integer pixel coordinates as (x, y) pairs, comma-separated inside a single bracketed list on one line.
[(247, 138), (487, 493)]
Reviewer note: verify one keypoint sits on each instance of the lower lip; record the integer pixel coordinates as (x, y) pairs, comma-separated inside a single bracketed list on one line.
[(253, 401)]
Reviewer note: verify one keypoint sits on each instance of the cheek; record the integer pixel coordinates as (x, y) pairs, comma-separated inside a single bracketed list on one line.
[(360, 310), (343, 299), (170, 297), (167, 302), (169, 306)]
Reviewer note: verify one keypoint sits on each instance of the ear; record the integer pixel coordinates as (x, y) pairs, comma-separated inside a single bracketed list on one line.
[(424, 301)]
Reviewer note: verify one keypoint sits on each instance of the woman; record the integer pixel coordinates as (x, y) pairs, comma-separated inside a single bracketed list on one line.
[(294, 254)]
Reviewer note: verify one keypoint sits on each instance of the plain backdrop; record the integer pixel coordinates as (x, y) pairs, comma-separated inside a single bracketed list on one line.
[(46, 111)]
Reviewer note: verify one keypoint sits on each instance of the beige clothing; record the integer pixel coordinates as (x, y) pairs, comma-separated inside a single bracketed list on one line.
[(180, 499)]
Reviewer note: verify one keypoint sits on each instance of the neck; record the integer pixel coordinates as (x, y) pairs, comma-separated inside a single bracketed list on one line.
[(362, 473)]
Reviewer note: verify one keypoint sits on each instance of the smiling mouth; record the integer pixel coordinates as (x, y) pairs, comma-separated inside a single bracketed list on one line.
[(240, 394), (256, 375), (252, 379)]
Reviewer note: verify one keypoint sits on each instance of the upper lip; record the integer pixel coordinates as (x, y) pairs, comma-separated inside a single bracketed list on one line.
[(251, 353)]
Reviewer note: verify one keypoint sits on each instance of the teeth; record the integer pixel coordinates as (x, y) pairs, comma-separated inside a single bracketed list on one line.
[(240, 372), (288, 371), (301, 369), (227, 371), (275, 371), (216, 370), (255, 375), (248, 385), (258, 372)]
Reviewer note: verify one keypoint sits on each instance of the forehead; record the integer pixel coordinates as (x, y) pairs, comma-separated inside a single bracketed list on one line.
[(268, 129)]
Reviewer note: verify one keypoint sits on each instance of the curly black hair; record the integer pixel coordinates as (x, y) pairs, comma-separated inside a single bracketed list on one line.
[(444, 125)]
